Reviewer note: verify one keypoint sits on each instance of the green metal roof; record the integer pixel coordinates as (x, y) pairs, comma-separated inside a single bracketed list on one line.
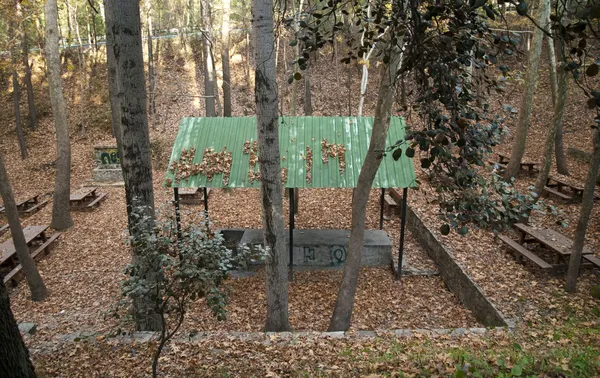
[(295, 135)]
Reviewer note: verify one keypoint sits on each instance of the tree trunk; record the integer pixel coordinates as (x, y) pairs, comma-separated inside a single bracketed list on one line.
[(34, 280), (209, 78), (28, 84), (533, 62), (587, 203), (225, 60), (111, 62), (61, 216), (308, 109), (270, 167), (342, 312), (136, 153), (14, 356), (296, 52), (559, 109), (17, 95), (152, 102)]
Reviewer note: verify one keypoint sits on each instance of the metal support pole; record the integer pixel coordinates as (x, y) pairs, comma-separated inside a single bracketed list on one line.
[(291, 238), (177, 212), (402, 227), (381, 208), (205, 191)]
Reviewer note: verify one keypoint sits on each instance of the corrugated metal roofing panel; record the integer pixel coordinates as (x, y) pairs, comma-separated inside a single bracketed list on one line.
[(295, 135)]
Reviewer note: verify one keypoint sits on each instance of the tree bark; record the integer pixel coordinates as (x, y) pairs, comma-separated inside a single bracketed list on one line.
[(557, 118), (61, 216), (111, 62), (533, 62), (152, 102), (209, 78), (342, 312), (136, 153), (270, 167), (587, 203), (34, 280), (308, 109), (28, 84), (17, 96), (225, 60), (14, 356)]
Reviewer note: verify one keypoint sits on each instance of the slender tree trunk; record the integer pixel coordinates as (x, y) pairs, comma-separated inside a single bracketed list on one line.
[(533, 62), (152, 102), (136, 154), (209, 78), (296, 52), (28, 85), (17, 100), (111, 62), (337, 74), (225, 60), (559, 109), (552, 66), (34, 280), (248, 64), (587, 203), (308, 109), (88, 28), (342, 312), (61, 216), (270, 167), (14, 356)]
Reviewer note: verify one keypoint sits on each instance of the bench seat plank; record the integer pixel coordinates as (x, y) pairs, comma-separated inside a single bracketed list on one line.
[(561, 195), (14, 275), (518, 248)]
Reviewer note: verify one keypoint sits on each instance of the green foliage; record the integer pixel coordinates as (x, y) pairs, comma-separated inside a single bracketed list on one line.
[(169, 273)]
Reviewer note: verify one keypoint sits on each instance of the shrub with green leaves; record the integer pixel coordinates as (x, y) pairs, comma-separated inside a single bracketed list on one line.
[(169, 273)]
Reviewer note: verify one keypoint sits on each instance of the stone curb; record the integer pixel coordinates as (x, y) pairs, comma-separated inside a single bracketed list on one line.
[(454, 274), (268, 338)]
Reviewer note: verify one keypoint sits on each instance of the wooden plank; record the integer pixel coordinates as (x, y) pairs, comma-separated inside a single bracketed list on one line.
[(12, 275), (551, 239), (188, 191), (101, 197), (82, 194), (30, 232), (518, 248), (395, 194), (35, 208), (3, 228), (592, 259), (548, 190)]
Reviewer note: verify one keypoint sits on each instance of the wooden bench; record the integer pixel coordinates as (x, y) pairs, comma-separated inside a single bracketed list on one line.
[(592, 259), (3, 228), (192, 196), (548, 190), (390, 205), (14, 275), (101, 197), (35, 207), (521, 252)]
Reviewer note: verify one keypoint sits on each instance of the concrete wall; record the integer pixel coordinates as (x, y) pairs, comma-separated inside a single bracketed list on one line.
[(453, 274), (328, 248)]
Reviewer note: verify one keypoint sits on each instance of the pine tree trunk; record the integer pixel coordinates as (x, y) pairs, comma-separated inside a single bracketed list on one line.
[(28, 84), (111, 62), (34, 280), (308, 109), (152, 102), (136, 154), (225, 60), (209, 78), (17, 107), (533, 62), (342, 312), (270, 167), (61, 216), (557, 118), (14, 356), (587, 203)]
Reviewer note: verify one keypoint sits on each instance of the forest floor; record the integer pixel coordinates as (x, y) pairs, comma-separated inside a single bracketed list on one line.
[(555, 331)]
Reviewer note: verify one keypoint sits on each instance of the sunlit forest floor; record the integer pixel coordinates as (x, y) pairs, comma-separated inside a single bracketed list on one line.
[(83, 272)]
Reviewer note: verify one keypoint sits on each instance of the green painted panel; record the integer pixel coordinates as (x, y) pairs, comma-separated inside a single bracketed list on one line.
[(295, 135)]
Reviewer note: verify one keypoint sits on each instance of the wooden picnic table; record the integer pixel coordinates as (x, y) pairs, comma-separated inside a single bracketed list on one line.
[(505, 159), (551, 240), (32, 234), (86, 198), (29, 205)]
